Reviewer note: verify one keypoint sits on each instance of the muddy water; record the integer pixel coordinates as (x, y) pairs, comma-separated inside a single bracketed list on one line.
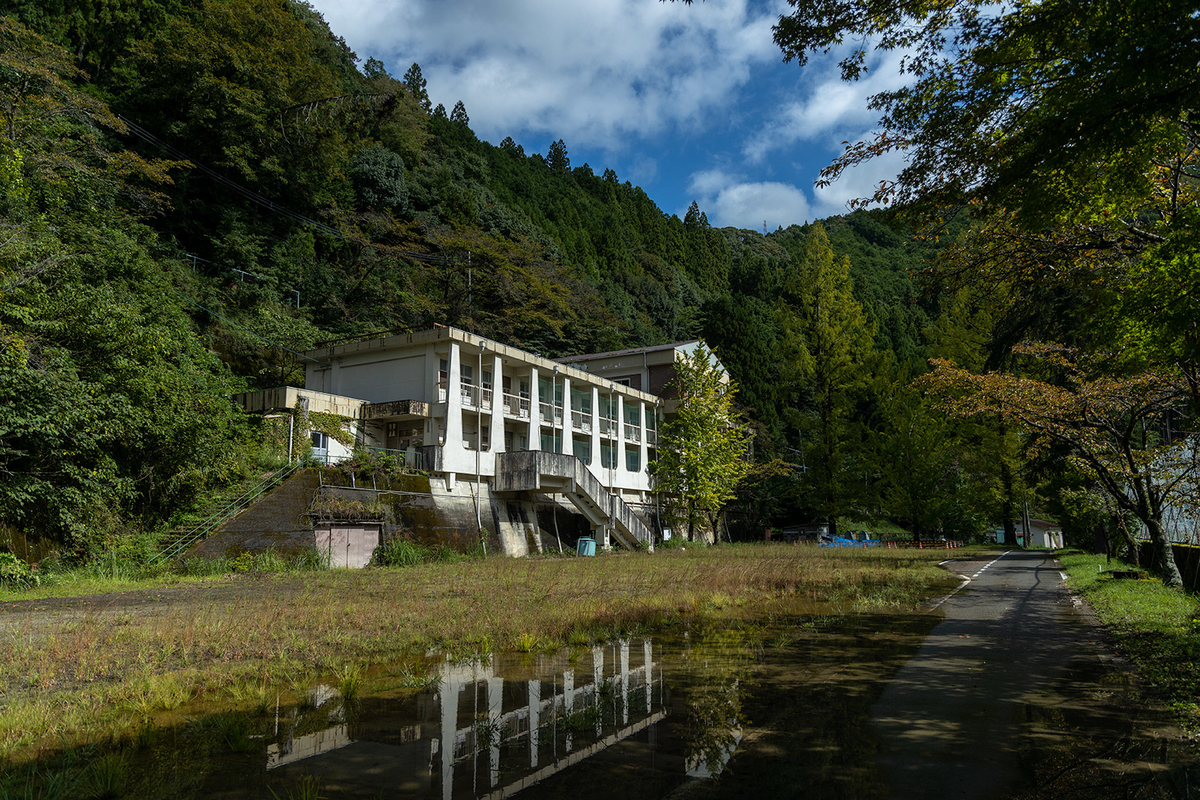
[(780, 711)]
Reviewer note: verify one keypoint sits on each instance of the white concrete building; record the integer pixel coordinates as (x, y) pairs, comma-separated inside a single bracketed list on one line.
[(497, 427), (462, 399)]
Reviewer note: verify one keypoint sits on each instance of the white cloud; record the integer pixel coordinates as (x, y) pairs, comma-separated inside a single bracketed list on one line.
[(830, 110), (594, 73), (857, 182), (731, 201)]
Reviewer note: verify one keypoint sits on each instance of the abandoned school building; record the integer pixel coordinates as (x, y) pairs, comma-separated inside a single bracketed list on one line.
[(532, 451)]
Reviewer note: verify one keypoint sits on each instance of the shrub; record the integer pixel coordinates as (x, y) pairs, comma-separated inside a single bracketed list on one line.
[(15, 573), (403, 553)]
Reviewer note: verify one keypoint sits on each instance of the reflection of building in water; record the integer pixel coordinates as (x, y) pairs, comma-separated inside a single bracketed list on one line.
[(492, 729)]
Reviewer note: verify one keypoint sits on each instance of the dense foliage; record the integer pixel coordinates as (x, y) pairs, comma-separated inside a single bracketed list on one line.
[(195, 190), (1068, 128)]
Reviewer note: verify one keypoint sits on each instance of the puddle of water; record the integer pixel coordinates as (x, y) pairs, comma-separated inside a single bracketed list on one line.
[(770, 712)]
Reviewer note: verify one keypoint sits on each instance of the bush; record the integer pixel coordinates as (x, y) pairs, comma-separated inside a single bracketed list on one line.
[(15, 573), (402, 553)]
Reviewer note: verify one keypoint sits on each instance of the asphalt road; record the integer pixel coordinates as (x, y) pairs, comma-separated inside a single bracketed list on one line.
[(1014, 671)]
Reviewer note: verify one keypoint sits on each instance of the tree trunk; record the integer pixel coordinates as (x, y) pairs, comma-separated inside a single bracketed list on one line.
[(1006, 512), (1166, 554), (1135, 552)]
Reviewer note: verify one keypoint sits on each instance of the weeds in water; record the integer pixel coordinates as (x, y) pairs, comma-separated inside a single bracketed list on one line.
[(106, 776), (526, 643), (256, 695), (349, 681), (487, 733), (309, 788), (234, 729)]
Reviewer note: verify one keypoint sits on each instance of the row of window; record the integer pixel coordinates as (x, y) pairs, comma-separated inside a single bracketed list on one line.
[(581, 400)]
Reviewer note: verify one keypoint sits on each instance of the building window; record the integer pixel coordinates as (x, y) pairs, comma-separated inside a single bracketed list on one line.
[(320, 441), (631, 459), (582, 449), (608, 456)]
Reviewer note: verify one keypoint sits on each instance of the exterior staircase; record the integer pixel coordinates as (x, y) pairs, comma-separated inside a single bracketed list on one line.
[(541, 471), (180, 541)]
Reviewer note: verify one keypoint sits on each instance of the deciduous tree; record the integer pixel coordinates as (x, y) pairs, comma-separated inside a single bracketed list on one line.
[(702, 451), (1113, 427)]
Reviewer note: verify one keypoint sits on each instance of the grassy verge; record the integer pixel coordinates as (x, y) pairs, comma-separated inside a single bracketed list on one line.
[(71, 678), (1156, 628)]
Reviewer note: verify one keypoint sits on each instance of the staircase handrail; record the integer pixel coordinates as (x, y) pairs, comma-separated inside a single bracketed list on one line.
[(230, 509)]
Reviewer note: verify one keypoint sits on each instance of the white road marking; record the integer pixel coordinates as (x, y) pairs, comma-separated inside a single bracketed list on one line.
[(967, 580)]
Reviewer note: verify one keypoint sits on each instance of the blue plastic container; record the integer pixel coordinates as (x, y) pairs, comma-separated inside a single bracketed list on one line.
[(586, 546)]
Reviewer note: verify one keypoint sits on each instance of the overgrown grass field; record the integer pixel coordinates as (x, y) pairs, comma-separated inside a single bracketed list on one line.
[(72, 675)]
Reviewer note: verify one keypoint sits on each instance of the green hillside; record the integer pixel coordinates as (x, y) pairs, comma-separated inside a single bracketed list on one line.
[(194, 190)]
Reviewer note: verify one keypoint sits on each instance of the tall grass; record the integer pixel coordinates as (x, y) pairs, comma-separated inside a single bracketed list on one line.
[(64, 678)]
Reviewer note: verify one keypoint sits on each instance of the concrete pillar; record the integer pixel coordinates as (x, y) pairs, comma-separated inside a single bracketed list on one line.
[(496, 434), (535, 411), (648, 661), (452, 450), (597, 470), (448, 694), (597, 679), (535, 713), (568, 445), (568, 700), (495, 703), (620, 438), (642, 446)]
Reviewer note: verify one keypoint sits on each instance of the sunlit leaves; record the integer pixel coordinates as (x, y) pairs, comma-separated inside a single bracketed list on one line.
[(702, 450)]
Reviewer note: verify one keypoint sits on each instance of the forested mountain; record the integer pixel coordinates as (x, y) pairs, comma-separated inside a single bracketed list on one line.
[(194, 189)]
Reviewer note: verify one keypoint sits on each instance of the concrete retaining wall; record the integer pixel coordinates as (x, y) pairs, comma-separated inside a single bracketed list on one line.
[(426, 511)]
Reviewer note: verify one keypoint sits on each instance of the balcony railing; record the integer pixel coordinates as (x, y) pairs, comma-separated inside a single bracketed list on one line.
[(516, 406), (549, 415), (633, 433), (608, 427), (581, 421), (651, 436), (471, 394)]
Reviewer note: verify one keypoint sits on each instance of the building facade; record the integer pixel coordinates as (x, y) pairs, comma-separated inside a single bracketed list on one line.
[(504, 435), (462, 399)]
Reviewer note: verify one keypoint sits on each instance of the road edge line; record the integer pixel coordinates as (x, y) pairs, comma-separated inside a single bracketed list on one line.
[(967, 580)]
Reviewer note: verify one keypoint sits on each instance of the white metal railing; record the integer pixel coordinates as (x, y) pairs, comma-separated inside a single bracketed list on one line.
[(633, 433), (549, 415), (608, 427), (516, 406), (581, 421), (651, 436), (441, 390), (470, 394), (487, 397)]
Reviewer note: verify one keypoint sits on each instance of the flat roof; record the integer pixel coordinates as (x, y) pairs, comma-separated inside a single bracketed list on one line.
[(434, 334), (629, 352)]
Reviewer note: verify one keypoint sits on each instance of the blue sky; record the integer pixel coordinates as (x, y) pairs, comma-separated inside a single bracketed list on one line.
[(688, 102)]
